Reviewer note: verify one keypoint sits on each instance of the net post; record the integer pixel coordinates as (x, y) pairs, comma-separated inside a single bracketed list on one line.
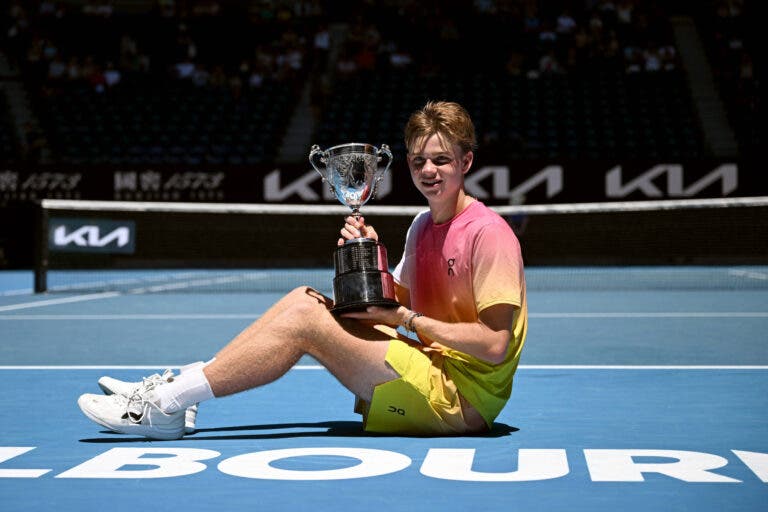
[(41, 248)]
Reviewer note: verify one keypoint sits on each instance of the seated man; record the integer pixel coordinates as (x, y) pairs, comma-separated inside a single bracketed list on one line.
[(461, 289)]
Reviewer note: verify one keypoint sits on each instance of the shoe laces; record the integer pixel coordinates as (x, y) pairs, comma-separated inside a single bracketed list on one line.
[(149, 383), (138, 403), (137, 408)]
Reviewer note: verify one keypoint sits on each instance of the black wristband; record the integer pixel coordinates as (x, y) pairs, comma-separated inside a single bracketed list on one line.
[(408, 324)]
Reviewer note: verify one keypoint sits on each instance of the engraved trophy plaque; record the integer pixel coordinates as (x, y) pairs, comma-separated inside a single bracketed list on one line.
[(362, 274)]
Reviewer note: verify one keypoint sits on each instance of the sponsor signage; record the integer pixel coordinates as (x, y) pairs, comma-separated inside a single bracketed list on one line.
[(170, 185), (53, 182), (541, 183), (494, 182), (91, 235), (604, 465)]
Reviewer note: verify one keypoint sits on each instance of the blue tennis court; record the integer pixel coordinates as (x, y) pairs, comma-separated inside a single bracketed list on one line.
[(640, 389)]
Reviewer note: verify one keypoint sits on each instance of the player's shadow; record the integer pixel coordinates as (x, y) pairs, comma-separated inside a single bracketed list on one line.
[(289, 430)]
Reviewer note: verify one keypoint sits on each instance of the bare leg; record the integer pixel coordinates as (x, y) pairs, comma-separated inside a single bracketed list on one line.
[(300, 324), (276, 309)]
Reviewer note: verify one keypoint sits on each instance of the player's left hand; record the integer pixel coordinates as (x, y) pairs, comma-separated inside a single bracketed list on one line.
[(380, 315)]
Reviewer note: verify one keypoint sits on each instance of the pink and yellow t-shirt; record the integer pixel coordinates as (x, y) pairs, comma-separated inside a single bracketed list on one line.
[(457, 269)]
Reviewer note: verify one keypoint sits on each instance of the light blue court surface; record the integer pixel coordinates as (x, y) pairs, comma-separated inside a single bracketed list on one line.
[(640, 389)]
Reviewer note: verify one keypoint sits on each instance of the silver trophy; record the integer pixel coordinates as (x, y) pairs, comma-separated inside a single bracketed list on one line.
[(362, 274)]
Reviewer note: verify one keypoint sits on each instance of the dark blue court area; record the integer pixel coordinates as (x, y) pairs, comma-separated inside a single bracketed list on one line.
[(640, 389)]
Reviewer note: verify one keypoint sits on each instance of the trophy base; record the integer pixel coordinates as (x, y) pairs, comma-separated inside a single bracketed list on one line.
[(356, 290), (362, 278), (360, 306)]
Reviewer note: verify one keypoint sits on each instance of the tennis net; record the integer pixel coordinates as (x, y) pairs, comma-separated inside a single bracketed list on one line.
[(140, 247)]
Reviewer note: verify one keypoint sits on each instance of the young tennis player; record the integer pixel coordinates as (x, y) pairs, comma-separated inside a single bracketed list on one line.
[(461, 289)]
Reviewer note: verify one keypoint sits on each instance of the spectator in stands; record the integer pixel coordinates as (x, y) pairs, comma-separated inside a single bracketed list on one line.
[(57, 69), (462, 268), (633, 60), (97, 80), (112, 75), (74, 73), (668, 55), (345, 64), (566, 24), (199, 75), (102, 9), (549, 63), (184, 69), (321, 47), (652, 59), (400, 58), (256, 77), (746, 70)]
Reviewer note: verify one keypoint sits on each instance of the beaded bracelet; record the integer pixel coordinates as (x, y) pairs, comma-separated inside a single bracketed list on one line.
[(408, 324)]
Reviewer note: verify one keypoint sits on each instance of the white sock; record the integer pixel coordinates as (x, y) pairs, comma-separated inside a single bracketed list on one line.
[(190, 366), (188, 388)]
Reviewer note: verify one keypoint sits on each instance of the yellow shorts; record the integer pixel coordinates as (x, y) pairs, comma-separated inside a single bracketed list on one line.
[(423, 401)]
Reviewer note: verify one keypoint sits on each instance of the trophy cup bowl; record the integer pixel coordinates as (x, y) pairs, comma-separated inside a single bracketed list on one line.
[(362, 277)]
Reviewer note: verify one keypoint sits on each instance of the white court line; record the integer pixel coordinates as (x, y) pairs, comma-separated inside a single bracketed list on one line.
[(13, 293), (749, 274), (207, 281), (320, 367), (62, 300), (135, 291)]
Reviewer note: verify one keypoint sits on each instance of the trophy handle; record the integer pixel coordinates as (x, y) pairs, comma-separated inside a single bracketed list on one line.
[(385, 152), (317, 159), (382, 153)]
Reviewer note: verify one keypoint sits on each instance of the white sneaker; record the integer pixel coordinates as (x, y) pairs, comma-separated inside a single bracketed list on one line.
[(137, 414), (112, 386)]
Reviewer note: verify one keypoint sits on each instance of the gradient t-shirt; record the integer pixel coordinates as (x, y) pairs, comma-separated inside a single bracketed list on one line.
[(453, 271)]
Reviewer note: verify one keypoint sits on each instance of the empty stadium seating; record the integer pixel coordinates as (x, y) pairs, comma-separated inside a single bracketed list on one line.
[(177, 123), (590, 115), (596, 111)]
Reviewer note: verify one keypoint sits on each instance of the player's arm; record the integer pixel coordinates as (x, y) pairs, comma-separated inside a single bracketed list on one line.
[(403, 295), (487, 339)]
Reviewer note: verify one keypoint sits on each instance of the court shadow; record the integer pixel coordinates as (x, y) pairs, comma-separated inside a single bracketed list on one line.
[(288, 431)]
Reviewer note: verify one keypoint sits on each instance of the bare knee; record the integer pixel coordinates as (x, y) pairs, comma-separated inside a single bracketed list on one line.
[(307, 300), (306, 318), (305, 310)]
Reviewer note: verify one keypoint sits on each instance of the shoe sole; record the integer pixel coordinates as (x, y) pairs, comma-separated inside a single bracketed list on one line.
[(189, 419), (137, 429)]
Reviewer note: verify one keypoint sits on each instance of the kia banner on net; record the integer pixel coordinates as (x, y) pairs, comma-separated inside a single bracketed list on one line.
[(92, 235)]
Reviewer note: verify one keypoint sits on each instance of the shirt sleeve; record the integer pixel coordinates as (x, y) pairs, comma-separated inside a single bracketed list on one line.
[(403, 272), (497, 262)]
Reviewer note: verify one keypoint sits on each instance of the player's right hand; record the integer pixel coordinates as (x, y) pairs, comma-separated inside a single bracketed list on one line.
[(355, 227)]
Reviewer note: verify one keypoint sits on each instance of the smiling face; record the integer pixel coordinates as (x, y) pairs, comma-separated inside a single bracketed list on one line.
[(437, 169), (440, 139)]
